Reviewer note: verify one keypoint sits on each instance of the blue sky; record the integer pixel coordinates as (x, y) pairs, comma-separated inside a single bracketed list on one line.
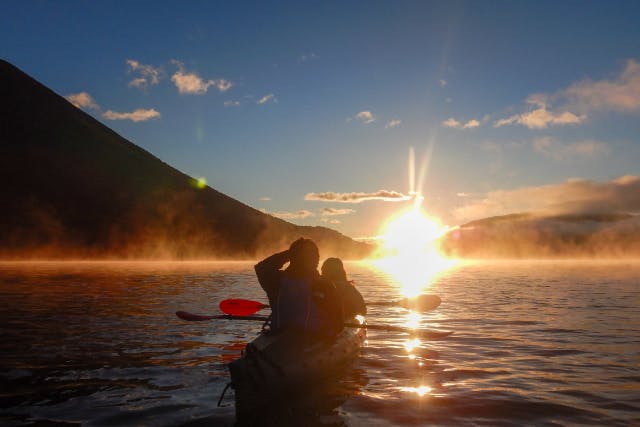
[(515, 105)]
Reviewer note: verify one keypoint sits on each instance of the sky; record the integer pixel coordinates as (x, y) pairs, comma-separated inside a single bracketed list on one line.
[(310, 110)]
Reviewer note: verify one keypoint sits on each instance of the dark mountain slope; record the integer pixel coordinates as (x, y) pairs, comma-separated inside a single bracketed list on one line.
[(72, 187)]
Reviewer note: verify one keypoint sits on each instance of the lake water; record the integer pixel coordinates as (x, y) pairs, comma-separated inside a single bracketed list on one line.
[(535, 343)]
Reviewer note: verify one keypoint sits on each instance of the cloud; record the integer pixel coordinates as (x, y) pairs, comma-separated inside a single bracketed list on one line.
[(455, 124), (147, 74), (393, 123), (572, 196), (139, 115), (308, 57), (621, 94), (383, 195), (541, 118), (334, 211), (442, 82), (265, 199), (301, 214), (270, 97), (82, 100), (550, 147), (231, 103), (192, 83), (365, 117), (331, 220)]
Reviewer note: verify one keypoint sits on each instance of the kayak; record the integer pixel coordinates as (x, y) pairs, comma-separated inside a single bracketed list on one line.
[(275, 364)]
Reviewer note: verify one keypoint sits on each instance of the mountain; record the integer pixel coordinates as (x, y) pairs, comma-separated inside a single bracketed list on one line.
[(527, 235), (73, 188)]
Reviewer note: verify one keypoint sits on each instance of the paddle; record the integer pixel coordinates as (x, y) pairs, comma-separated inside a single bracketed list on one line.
[(433, 335), (245, 307)]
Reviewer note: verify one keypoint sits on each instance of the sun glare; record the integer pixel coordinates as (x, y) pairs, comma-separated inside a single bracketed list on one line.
[(409, 250)]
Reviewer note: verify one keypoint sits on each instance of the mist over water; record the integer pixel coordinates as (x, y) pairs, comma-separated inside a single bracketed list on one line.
[(542, 343)]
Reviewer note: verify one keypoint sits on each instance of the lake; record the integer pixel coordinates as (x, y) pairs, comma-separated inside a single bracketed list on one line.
[(534, 343)]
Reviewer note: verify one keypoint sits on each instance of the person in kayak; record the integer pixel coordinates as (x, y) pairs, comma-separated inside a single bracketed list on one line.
[(300, 298), (352, 301)]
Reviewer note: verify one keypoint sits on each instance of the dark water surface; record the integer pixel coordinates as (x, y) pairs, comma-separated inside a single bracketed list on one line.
[(539, 343)]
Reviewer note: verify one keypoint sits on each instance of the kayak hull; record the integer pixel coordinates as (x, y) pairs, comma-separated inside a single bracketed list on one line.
[(287, 363)]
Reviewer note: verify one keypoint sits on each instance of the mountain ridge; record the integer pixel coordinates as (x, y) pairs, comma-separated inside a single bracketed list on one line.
[(73, 187)]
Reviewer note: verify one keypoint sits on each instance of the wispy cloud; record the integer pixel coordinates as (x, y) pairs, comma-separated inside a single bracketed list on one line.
[(572, 196), (301, 214), (308, 57), (147, 74), (383, 195), (231, 103), (455, 124), (541, 118), (335, 212), (139, 115), (551, 147), (331, 220), (442, 82), (265, 199), (393, 123), (83, 100), (191, 83), (619, 94), (365, 117), (267, 98)]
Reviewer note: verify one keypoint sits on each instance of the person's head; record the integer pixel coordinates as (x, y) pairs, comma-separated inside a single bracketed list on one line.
[(304, 255), (333, 270)]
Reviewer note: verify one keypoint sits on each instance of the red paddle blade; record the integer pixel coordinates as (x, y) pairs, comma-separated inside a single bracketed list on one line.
[(241, 307)]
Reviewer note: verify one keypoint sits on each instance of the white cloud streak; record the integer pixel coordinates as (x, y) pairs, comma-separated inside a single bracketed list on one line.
[(267, 98), (541, 118), (191, 83), (621, 94), (335, 212), (455, 124), (147, 74), (301, 214), (139, 115), (393, 123), (308, 57), (365, 117), (82, 100), (355, 197)]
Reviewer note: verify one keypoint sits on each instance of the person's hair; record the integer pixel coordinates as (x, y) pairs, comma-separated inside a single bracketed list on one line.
[(333, 270), (304, 255)]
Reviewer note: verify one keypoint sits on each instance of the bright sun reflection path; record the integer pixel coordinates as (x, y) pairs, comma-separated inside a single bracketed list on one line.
[(420, 390), (410, 250)]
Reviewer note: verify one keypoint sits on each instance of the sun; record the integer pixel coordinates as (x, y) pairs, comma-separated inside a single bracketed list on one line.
[(411, 232), (410, 253)]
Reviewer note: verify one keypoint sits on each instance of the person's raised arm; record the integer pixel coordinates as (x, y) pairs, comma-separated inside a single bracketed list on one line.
[(268, 271)]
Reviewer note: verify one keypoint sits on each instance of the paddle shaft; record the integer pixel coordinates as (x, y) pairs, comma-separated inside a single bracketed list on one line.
[(423, 333), (244, 307)]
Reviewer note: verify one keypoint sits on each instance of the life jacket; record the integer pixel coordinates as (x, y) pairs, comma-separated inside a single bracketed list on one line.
[(296, 307)]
